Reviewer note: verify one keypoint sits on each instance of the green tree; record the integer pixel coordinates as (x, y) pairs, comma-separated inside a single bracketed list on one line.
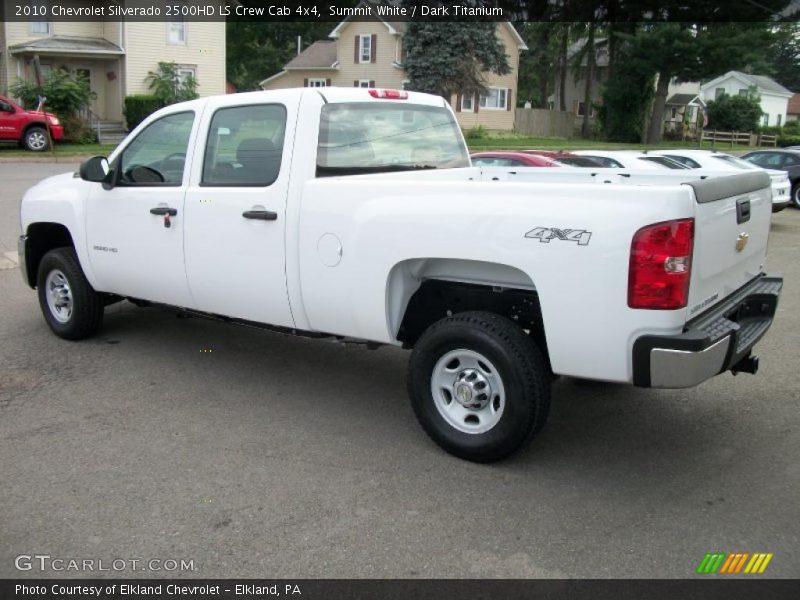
[(784, 55), (734, 113), (627, 95), (448, 58), (256, 50)]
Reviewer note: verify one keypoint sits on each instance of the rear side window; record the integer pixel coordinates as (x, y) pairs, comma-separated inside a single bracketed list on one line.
[(244, 146), (376, 137)]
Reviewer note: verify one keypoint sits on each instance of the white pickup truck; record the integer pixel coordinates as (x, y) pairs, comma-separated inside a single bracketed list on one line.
[(356, 213)]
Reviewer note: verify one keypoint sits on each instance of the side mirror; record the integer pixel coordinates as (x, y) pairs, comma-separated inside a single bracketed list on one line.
[(95, 169)]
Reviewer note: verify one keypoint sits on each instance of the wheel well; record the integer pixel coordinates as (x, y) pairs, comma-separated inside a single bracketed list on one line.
[(436, 299), (35, 124), (43, 237)]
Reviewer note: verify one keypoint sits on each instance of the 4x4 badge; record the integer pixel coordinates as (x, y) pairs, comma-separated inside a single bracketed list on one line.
[(545, 234)]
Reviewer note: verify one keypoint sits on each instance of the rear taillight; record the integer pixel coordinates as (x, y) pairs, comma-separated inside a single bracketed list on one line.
[(389, 94), (661, 265)]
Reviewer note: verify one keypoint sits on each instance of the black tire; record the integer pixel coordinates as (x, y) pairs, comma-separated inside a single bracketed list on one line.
[(36, 139), (521, 368), (796, 195), (86, 315)]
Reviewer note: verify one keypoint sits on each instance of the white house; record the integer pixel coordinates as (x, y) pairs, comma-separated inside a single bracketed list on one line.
[(774, 97)]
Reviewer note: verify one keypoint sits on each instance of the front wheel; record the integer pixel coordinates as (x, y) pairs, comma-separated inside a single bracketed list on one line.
[(479, 385), (36, 139), (796, 195), (71, 307)]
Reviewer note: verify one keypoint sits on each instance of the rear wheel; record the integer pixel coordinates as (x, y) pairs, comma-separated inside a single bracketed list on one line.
[(36, 139), (479, 385), (796, 195), (71, 307)]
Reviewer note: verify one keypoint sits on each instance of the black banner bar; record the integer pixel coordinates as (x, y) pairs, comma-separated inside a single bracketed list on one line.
[(428, 589), (696, 11)]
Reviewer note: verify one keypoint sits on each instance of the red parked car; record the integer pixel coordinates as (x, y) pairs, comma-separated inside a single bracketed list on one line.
[(28, 127), (511, 159), (565, 158)]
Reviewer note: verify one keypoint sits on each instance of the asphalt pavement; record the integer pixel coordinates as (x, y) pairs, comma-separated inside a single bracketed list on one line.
[(253, 454)]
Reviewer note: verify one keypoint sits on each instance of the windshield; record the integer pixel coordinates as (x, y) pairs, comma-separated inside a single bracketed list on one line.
[(373, 137)]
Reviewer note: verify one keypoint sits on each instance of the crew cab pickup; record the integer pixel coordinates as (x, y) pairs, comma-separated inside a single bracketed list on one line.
[(29, 128), (356, 213)]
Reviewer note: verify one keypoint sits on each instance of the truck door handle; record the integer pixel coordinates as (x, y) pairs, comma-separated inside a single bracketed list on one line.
[(164, 211), (262, 215)]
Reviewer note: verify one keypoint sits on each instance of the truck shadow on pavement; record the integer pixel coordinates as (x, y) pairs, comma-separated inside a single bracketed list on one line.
[(325, 390)]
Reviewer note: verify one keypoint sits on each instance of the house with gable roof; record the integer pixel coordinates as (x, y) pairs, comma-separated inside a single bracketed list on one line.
[(369, 53)]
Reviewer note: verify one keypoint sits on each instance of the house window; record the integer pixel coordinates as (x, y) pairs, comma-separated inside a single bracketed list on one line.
[(765, 120), (495, 99), (674, 113), (365, 48), (176, 33), (364, 83), (185, 72), (317, 82), (582, 109), (744, 92), (718, 93), (779, 120), (39, 9), (468, 102)]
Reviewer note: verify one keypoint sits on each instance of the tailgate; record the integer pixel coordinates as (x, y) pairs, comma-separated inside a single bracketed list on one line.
[(731, 233)]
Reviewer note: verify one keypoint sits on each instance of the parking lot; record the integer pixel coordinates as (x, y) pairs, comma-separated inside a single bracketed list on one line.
[(254, 454)]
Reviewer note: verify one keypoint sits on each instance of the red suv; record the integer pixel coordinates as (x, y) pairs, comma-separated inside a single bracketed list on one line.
[(27, 127)]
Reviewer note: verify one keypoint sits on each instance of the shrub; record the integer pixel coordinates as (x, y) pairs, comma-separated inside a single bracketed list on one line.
[(65, 94), (734, 113), (139, 107), (77, 131), (168, 87), (789, 140), (476, 133)]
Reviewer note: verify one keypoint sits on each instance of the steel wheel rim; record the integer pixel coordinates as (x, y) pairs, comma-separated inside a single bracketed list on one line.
[(459, 381), (36, 140), (59, 296)]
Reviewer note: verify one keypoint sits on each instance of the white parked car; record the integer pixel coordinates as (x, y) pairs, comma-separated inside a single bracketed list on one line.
[(628, 159), (348, 212), (720, 161)]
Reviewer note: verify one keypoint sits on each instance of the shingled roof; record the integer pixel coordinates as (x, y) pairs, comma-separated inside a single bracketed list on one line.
[(67, 44), (319, 55)]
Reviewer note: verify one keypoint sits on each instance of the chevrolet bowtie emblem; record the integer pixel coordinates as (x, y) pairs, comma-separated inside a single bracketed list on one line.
[(741, 241)]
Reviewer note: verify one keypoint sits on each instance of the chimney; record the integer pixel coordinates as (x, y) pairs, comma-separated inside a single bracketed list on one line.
[(299, 44)]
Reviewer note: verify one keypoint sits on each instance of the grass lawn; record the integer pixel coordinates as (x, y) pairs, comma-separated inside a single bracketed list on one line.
[(61, 150), (547, 143)]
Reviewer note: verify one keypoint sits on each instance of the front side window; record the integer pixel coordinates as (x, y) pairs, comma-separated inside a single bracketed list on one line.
[(365, 54), (245, 146), (495, 98), (157, 156), (664, 162), (608, 163), (375, 137)]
